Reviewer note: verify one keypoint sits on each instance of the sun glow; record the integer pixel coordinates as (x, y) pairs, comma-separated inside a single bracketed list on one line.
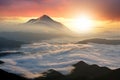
[(83, 23)]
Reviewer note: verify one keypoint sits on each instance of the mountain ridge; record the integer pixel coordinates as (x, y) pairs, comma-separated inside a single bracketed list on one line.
[(100, 41), (42, 18), (47, 22), (45, 17), (82, 71)]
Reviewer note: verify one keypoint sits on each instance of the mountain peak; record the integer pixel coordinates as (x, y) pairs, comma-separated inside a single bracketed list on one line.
[(81, 63), (45, 18)]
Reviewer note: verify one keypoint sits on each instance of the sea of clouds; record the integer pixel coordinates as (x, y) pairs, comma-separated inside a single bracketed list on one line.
[(40, 57)]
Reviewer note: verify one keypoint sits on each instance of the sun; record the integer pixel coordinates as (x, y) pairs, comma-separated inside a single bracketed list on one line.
[(83, 23)]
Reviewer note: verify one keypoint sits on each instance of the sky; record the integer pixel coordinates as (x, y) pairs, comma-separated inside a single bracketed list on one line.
[(101, 12), (100, 9)]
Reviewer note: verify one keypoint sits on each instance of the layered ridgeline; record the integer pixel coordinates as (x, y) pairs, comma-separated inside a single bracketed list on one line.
[(81, 71), (49, 24), (100, 41)]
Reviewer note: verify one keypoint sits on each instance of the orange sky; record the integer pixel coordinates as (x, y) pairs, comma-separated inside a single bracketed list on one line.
[(99, 9)]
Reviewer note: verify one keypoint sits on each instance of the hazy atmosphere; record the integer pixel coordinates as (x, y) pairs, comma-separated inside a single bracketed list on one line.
[(59, 39)]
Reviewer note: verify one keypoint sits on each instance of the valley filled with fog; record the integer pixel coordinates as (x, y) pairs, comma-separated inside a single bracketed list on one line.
[(40, 57)]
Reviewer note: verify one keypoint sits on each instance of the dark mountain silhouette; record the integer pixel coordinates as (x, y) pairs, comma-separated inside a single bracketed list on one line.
[(82, 71), (100, 41), (2, 54), (9, 76), (114, 75), (9, 44), (51, 75), (1, 62)]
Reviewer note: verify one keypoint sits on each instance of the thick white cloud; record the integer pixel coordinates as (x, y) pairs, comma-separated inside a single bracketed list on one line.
[(40, 57)]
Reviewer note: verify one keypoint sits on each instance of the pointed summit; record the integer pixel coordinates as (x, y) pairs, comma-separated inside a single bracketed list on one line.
[(81, 63), (45, 18), (46, 21)]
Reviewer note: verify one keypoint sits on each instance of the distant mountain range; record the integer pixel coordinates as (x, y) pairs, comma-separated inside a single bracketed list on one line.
[(100, 41)]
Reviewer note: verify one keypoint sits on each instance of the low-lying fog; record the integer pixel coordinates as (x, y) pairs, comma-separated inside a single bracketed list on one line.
[(48, 54), (39, 57)]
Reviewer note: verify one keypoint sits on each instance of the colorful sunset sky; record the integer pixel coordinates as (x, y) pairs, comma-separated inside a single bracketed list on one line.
[(65, 11), (100, 9)]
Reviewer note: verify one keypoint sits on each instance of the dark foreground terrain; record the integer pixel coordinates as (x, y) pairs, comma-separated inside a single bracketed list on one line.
[(82, 71)]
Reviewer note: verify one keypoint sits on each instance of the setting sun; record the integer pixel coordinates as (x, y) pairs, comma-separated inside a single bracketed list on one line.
[(59, 39), (83, 23)]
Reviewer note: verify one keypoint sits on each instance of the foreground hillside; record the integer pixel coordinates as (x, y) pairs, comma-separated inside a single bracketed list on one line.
[(33, 59), (81, 71)]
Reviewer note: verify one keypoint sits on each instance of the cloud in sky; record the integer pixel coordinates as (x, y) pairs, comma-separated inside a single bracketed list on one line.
[(106, 9)]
